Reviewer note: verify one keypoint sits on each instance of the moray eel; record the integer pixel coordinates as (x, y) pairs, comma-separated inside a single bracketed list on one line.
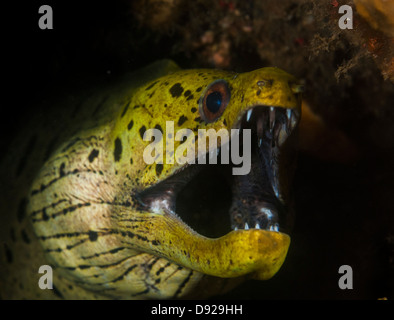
[(111, 225)]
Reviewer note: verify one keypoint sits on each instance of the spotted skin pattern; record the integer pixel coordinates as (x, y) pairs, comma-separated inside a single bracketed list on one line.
[(72, 201)]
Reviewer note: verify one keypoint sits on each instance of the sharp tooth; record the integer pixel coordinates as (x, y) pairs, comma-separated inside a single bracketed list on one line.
[(248, 115), (246, 226), (236, 228), (271, 228), (272, 117), (293, 121), (275, 187), (288, 114), (276, 227), (257, 226), (282, 136), (267, 212)]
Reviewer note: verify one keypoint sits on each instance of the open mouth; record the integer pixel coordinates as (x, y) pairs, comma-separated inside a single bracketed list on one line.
[(213, 202)]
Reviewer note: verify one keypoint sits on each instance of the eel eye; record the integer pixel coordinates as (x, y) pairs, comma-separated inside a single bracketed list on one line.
[(214, 101)]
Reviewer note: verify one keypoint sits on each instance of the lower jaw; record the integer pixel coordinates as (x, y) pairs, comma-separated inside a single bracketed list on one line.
[(257, 252)]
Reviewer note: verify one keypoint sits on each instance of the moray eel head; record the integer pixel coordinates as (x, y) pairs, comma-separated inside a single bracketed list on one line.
[(168, 219), (250, 237)]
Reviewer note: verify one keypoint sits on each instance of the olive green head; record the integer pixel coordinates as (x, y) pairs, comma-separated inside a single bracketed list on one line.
[(161, 130), (107, 206)]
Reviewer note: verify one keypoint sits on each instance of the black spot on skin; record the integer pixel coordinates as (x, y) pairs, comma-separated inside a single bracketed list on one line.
[(190, 97), (181, 120), (131, 160), (45, 217), (225, 122), (118, 149), (151, 86), (8, 253), (159, 169), (258, 92), (184, 138), (198, 119), (176, 90), (93, 236), (130, 125), (25, 238), (93, 155), (158, 127), (21, 213), (165, 105), (142, 131), (127, 204), (61, 169), (135, 107), (193, 110), (57, 292), (124, 110), (199, 89), (69, 145), (187, 93)]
